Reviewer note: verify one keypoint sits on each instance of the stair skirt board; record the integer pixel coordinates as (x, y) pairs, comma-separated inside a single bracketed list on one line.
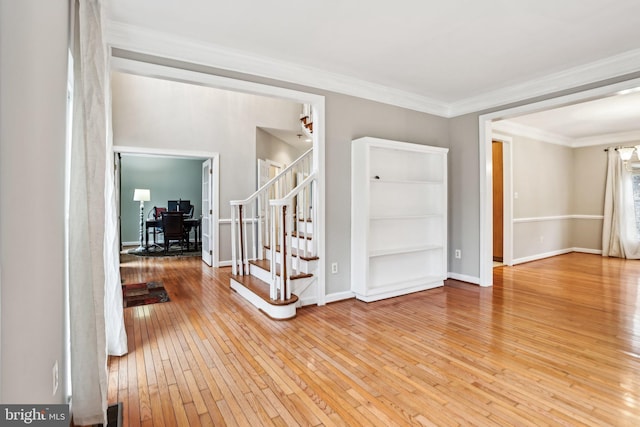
[(274, 311)]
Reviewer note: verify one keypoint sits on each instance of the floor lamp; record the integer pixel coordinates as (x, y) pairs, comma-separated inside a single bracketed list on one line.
[(141, 195)]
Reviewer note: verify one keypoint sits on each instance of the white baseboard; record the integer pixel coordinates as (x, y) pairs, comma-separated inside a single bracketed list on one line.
[(225, 263), (588, 251), (464, 278), (136, 243), (554, 253), (542, 256), (338, 296), (308, 301)]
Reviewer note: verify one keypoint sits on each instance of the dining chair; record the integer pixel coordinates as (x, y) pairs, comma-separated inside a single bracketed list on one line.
[(173, 225)]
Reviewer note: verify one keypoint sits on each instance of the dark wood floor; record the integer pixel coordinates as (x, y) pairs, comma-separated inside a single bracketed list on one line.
[(554, 342)]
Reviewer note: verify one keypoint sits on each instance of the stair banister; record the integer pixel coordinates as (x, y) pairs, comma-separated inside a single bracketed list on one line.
[(269, 183), (260, 233), (279, 208)]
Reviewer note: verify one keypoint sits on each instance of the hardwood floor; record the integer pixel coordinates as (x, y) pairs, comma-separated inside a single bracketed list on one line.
[(554, 342)]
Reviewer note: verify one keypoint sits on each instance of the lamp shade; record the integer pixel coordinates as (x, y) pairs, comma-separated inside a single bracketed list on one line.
[(625, 153), (141, 195)]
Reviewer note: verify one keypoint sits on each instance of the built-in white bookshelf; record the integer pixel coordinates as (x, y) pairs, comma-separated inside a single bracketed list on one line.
[(398, 218)]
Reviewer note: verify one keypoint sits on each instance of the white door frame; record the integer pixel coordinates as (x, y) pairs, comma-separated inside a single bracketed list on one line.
[(317, 103), (215, 180), (485, 137)]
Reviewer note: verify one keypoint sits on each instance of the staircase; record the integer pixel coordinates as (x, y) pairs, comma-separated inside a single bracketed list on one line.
[(274, 252)]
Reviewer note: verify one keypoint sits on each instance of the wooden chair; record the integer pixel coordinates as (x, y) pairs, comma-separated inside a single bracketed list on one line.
[(173, 225)]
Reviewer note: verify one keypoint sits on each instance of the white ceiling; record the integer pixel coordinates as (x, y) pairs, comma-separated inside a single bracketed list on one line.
[(443, 57), (608, 120)]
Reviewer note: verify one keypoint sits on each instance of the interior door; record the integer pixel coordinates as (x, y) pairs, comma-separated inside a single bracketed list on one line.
[(498, 201), (207, 213)]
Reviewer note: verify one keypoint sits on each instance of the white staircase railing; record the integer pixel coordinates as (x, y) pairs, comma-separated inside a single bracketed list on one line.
[(291, 215), (254, 225)]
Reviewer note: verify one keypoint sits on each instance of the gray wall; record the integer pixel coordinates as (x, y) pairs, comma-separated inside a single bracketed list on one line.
[(464, 195), (347, 118), (168, 179), (553, 180), (543, 180), (33, 84)]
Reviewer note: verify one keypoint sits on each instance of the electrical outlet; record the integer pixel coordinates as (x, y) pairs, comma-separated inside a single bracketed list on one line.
[(458, 254), (54, 374), (334, 268)]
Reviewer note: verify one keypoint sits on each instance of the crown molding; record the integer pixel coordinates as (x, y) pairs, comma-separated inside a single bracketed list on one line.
[(553, 138), (612, 138), (162, 44), (150, 42), (617, 65), (514, 128)]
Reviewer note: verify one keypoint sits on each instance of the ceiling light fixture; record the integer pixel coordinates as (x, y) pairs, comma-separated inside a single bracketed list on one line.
[(628, 91)]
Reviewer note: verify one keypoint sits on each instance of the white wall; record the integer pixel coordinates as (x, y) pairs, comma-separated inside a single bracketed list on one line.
[(272, 148), (33, 83)]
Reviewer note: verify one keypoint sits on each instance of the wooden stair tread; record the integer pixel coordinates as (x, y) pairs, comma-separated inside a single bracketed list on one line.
[(305, 258), (266, 265), (261, 289)]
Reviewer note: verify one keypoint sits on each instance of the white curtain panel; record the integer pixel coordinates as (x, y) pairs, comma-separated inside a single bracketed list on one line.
[(93, 288), (619, 235)]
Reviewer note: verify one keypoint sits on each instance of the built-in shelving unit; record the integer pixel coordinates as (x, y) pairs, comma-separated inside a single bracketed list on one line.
[(398, 218)]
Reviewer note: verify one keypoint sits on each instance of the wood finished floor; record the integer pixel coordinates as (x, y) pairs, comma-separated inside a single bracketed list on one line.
[(554, 342)]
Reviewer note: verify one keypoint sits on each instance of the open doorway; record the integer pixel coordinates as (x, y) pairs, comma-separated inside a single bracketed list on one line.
[(486, 137), (170, 177), (502, 205), (227, 128), (498, 203)]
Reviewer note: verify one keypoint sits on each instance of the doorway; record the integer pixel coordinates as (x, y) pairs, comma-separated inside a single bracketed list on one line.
[(498, 202), (486, 136), (149, 167), (149, 68)]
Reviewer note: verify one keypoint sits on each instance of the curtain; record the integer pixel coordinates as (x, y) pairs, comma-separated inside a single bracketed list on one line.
[(94, 286), (619, 234)]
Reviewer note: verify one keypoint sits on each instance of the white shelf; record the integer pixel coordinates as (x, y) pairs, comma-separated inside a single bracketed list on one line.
[(402, 182), (402, 288), (398, 251), (403, 217), (398, 220), (409, 283)]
